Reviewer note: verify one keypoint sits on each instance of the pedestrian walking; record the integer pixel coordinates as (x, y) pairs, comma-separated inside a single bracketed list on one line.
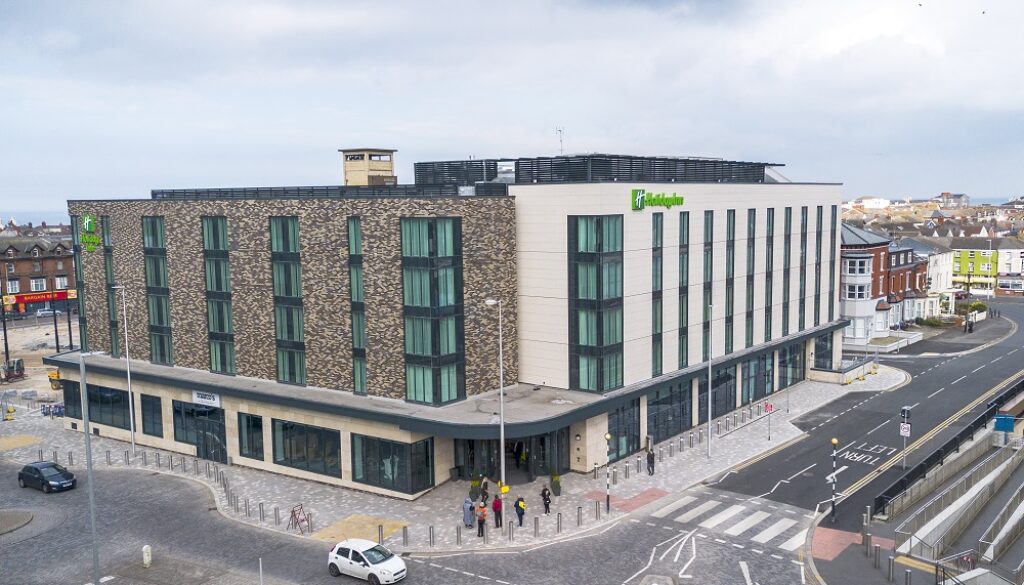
[(467, 513), (484, 495), (545, 496), (650, 462), (496, 505), (481, 519), (520, 509)]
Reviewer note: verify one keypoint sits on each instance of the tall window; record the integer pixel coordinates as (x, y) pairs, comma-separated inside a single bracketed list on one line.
[(832, 266), (802, 301), (391, 465), (433, 318), (748, 328), (730, 275), (817, 265), (306, 447), (684, 287), (220, 327), (769, 271), (250, 436), (286, 274), (358, 306), (595, 302), (657, 284), (157, 292), (624, 428), (152, 416), (113, 306), (787, 245), (709, 254)]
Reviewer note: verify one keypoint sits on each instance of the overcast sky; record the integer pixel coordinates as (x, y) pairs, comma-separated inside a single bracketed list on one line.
[(891, 97)]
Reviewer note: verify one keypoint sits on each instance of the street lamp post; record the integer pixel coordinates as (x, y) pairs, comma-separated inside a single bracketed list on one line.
[(992, 269), (501, 392), (3, 318), (607, 474), (88, 463), (835, 442), (127, 363)]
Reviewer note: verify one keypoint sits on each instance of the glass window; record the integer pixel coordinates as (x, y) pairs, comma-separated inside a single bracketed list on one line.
[(288, 323), (588, 366), (156, 271), (586, 234), (611, 326), (447, 337), (152, 415), (218, 275), (611, 233), (291, 366), (449, 382), (250, 436), (358, 330), (611, 371), (656, 316), (160, 348), (657, 230), (153, 232), (586, 278), (656, 279), (418, 336), (287, 278), (219, 316), (669, 410), (419, 383), (611, 280), (307, 447), (391, 465), (356, 279), (416, 287), (359, 375), (684, 228), (284, 234), (415, 237), (355, 236), (624, 428), (222, 357), (445, 228), (215, 233), (446, 287)]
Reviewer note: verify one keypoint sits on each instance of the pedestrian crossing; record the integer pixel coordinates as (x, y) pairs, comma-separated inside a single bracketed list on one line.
[(748, 520)]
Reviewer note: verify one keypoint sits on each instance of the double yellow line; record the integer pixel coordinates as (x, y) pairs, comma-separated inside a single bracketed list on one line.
[(868, 478)]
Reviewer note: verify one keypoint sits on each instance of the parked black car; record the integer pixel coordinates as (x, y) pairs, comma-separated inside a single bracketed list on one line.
[(47, 476)]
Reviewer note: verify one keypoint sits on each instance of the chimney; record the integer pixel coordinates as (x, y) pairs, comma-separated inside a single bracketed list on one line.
[(369, 166)]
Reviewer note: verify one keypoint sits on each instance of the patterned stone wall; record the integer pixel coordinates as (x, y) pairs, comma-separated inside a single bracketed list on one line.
[(489, 270)]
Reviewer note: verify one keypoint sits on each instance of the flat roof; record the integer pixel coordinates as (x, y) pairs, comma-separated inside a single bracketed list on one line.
[(367, 149)]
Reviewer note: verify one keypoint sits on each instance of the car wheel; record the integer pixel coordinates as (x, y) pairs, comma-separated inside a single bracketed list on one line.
[(46, 488), (333, 570), (373, 579), (21, 482)]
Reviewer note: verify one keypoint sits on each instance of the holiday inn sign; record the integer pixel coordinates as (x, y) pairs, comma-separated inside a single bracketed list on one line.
[(641, 198)]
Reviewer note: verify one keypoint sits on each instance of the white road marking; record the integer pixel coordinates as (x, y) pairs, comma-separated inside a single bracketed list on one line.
[(1013, 352), (758, 551), (705, 507), (737, 545), (746, 573), (435, 565), (673, 507), (777, 557), (796, 562), (747, 523), (936, 392), (467, 574), (795, 542), (879, 426), (996, 360), (722, 516), (654, 549), (682, 575), (107, 578), (790, 478), (450, 569), (720, 541), (957, 380), (774, 530), (976, 369)]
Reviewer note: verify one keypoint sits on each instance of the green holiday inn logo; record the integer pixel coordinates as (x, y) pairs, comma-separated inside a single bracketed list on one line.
[(89, 238), (641, 198)]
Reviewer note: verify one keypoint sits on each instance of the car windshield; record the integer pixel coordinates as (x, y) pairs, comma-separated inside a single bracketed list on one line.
[(52, 470), (377, 555)]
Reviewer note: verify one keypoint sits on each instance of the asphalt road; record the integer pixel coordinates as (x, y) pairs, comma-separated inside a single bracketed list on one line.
[(867, 428)]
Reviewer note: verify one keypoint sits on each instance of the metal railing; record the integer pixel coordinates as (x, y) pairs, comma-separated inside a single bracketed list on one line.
[(949, 568), (997, 525), (905, 531), (927, 484)]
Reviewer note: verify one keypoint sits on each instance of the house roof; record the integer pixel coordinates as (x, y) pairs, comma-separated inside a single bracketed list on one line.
[(853, 236), (925, 246), (25, 245), (983, 243)]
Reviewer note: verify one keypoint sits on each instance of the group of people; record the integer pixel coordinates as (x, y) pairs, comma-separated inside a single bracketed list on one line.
[(478, 512)]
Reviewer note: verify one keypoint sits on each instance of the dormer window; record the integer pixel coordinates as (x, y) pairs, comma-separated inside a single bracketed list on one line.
[(58, 251), (35, 252), (10, 252)]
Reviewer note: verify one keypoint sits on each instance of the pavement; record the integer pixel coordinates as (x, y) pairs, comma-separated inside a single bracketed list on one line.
[(954, 340), (338, 512)]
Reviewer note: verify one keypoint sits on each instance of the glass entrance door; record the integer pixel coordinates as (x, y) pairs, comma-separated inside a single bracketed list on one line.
[(210, 440), (202, 426)]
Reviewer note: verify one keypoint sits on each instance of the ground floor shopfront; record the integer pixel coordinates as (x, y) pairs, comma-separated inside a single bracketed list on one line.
[(380, 452)]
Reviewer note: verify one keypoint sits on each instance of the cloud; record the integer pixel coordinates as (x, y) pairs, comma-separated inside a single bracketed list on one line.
[(112, 99)]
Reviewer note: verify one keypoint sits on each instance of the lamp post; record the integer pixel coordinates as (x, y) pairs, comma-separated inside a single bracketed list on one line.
[(992, 269), (607, 473), (3, 318), (127, 362), (710, 353), (835, 442), (88, 462), (501, 392), (53, 311)]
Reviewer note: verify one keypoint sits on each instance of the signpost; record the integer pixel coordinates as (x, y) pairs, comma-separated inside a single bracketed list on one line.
[(769, 408), (905, 430)]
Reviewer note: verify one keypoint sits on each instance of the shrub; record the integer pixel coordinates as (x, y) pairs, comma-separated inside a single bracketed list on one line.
[(932, 322), (979, 306), (918, 321)]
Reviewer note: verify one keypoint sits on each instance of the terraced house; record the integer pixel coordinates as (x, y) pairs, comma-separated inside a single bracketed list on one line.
[(351, 334)]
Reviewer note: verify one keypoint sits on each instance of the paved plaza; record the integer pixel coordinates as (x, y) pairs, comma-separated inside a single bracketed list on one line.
[(342, 513)]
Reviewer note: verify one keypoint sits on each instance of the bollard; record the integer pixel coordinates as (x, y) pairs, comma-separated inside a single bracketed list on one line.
[(579, 515), (718, 428), (615, 477), (487, 533), (235, 496), (184, 464), (511, 531), (558, 523), (892, 566), (671, 449), (156, 457), (262, 517), (758, 409), (867, 544), (108, 457), (595, 471), (127, 461), (147, 556), (727, 424), (309, 522), (691, 440), (743, 416), (40, 455), (638, 465), (681, 442), (597, 511), (170, 462), (145, 459), (380, 534), (536, 526), (71, 458), (405, 535), (458, 535), (625, 468), (863, 525), (246, 507), (907, 575), (700, 436), (661, 453), (277, 516), (878, 554), (195, 466)]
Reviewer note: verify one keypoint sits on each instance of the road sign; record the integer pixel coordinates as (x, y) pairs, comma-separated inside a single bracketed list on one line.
[(1004, 423), (768, 407), (904, 429)]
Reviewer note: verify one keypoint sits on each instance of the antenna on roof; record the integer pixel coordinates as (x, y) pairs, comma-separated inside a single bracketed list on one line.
[(560, 130)]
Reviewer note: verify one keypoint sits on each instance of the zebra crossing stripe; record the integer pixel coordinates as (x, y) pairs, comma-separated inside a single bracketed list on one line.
[(673, 506), (747, 523), (774, 530), (795, 542), (705, 507), (722, 516)]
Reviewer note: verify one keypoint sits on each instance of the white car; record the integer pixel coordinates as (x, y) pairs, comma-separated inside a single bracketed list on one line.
[(366, 560)]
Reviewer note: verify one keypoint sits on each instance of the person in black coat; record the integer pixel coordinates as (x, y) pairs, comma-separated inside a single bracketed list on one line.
[(650, 462)]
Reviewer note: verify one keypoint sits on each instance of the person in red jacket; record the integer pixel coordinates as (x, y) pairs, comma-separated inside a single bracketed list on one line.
[(496, 505)]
